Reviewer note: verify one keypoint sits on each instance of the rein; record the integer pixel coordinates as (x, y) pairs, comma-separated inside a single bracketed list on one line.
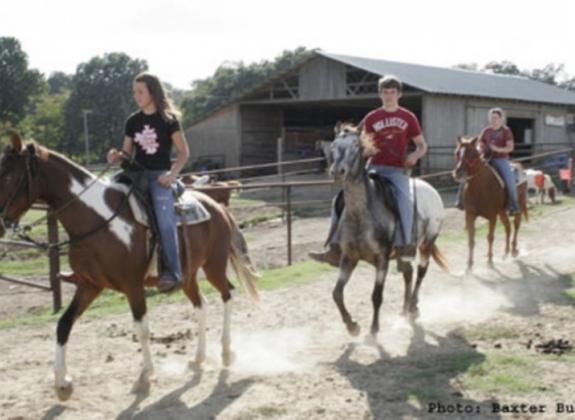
[(22, 232)]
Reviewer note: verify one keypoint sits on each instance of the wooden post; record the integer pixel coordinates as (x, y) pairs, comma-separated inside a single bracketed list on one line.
[(288, 211), (54, 257)]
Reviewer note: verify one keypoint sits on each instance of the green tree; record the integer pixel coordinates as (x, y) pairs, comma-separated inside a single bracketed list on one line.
[(18, 83), (59, 82), (231, 80), (548, 74), (102, 90), (502, 67), (46, 123)]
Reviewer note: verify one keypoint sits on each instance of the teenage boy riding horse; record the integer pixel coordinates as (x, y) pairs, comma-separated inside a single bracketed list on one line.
[(390, 127)]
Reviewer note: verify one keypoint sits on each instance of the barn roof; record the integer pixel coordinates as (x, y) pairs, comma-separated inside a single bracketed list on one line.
[(451, 81)]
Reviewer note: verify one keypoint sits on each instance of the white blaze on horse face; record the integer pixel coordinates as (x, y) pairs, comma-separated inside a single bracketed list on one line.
[(94, 198)]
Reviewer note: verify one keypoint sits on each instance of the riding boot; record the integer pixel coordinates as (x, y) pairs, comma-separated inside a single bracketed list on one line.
[(332, 256)]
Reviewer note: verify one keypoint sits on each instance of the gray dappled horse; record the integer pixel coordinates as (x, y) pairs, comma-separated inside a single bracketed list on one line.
[(367, 226)]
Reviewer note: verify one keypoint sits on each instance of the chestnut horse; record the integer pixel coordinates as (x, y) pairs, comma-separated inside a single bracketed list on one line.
[(485, 196), (221, 195), (108, 249)]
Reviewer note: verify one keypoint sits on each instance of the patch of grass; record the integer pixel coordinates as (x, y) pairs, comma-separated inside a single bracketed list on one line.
[(430, 379), (110, 302), (487, 332), (504, 374), (299, 273)]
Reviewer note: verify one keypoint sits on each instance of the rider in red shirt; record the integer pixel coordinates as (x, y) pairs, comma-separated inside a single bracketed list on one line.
[(391, 127)]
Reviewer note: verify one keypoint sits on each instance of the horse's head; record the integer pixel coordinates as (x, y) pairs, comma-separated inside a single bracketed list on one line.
[(347, 152), (467, 157), (18, 181)]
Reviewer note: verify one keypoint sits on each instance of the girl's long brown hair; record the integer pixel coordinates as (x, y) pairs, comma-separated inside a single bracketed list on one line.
[(157, 91)]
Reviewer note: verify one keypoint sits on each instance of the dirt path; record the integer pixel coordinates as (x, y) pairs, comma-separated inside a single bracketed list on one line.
[(294, 358)]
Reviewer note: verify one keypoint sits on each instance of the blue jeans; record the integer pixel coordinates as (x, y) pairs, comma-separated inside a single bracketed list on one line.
[(163, 202), (400, 182), (504, 168)]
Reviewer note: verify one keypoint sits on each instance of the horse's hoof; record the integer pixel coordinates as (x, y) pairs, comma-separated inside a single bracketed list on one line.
[(491, 265), (413, 314), (142, 384), (228, 357), (65, 390), (141, 387), (515, 253), (354, 329)]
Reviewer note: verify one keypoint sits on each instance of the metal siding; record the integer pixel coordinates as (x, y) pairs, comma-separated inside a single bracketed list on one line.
[(322, 79), (217, 135)]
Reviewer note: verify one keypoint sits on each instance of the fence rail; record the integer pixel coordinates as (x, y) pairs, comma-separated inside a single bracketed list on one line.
[(287, 206)]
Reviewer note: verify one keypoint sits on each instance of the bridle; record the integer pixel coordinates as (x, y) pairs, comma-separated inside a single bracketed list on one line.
[(27, 176), (30, 173)]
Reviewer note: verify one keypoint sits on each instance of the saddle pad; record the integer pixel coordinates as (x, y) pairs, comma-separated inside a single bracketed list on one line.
[(191, 209)]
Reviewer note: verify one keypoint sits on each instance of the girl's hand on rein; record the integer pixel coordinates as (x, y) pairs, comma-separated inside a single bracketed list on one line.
[(167, 179)]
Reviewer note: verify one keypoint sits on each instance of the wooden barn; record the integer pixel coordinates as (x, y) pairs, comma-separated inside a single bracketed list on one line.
[(302, 105)]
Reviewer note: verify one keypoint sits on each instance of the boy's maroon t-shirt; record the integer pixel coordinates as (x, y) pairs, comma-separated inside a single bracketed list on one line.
[(498, 137), (391, 134)]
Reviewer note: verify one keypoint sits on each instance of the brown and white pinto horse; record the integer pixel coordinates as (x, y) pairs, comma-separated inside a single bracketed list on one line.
[(485, 196), (108, 249)]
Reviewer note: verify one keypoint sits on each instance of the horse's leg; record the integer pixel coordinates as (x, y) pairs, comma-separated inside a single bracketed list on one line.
[(516, 225), (192, 291), (490, 236), (137, 301), (407, 270), (215, 269), (505, 220), (424, 254), (346, 267), (377, 294), (470, 226), (85, 294)]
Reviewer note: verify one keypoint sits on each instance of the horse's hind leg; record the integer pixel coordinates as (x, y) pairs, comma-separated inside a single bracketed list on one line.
[(215, 270), (345, 269), (516, 225), (84, 295), (505, 220), (424, 254), (137, 301), (490, 237), (192, 291), (377, 294)]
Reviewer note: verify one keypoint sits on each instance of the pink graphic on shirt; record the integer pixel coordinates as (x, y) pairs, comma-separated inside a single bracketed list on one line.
[(147, 139)]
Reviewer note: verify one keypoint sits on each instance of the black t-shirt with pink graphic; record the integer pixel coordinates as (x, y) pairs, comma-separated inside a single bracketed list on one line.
[(152, 137)]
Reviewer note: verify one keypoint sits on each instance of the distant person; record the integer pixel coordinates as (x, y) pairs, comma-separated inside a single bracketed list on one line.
[(496, 143)]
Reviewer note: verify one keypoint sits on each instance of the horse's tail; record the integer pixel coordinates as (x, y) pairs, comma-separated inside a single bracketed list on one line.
[(439, 258), (241, 261)]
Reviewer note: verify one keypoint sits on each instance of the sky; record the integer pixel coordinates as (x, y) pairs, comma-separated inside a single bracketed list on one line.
[(185, 40)]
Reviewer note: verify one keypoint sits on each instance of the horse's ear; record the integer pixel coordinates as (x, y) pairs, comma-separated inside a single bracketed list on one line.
[(459, 140), (337, 128), (15, 141), (474, 140)]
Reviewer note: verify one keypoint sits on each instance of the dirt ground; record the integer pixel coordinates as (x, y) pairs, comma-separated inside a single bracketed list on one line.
[(294, 359)]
